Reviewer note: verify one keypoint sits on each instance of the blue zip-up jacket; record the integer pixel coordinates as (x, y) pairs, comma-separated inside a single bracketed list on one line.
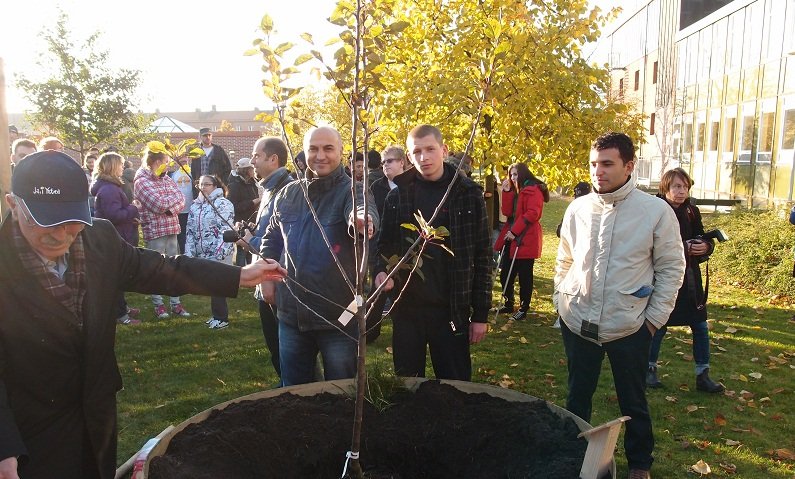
[(294, 238)]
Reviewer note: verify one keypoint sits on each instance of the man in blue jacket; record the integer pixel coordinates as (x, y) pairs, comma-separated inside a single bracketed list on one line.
[(321, 275)]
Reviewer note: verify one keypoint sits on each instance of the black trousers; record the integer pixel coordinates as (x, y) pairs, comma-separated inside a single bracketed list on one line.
[(270, 329), (219, 308), (628, 360), (449, 351), (522, 268), (183, 228)]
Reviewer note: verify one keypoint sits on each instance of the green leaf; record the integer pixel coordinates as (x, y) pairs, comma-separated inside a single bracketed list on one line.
[(283, 48), (307, 37), (409, 226)]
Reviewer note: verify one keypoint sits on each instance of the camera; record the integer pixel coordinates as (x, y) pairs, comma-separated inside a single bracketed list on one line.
[(231, 236), (716, 234)]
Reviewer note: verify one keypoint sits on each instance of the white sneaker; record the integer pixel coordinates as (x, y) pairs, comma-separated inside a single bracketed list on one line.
[(218, 324), (209, 321)]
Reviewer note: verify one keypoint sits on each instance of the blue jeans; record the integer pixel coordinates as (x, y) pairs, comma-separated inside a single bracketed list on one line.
[(629, 376), (700, 333), (298, 352)]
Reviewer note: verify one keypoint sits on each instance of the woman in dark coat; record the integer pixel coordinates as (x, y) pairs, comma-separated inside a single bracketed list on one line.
[(691, 308), (113, 205), (523, 198)]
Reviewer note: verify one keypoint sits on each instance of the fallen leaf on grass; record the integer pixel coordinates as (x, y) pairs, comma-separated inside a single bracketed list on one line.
[(732, 442), (506, 383), (777, 359), (701, 467), (389, 349), (731, 330), (720, 420), (743, 378), (729, 468), (523, 340), (691, 408), (784, 454), (221, 381), (514, 365), (721, 348), (756, 375), (671, 398)]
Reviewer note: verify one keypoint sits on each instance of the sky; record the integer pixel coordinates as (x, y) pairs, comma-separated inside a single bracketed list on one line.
[(190, 53)]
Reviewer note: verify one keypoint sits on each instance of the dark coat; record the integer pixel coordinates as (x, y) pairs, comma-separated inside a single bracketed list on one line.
[(524, 222), (691, 294), (58, 382), (471, 265), (242, 193), (218, 165), (113, 205)]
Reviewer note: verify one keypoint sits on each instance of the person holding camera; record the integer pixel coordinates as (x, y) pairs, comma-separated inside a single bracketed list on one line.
[(691, 308), (210, 215)]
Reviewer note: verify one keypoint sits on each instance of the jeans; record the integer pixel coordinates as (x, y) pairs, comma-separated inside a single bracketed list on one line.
[(449, 350), (270, 329), (700, 333), (242, 256), (166, 245), (298, 352), (627, 361)]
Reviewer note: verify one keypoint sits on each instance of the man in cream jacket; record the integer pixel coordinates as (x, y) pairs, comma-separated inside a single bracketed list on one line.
[(620, 264)]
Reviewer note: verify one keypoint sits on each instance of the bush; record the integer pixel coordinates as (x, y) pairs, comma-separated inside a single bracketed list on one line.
[(758, 255)]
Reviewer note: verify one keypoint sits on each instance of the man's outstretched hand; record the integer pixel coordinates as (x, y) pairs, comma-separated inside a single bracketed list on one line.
[(8, 468), (261, 271)]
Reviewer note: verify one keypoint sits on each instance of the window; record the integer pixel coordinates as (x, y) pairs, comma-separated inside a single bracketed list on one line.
[(766, 131), (654, 74), (621, 87), (714, 127), (788, 142), (728, 134), (651, 124), (747, 138), (688, 138), (701, 129), (637, 79)]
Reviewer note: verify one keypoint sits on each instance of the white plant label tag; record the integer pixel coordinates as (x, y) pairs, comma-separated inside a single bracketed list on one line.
[(347, 315)]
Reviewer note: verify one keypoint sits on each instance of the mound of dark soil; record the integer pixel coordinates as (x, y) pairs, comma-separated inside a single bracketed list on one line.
[(437, 432)]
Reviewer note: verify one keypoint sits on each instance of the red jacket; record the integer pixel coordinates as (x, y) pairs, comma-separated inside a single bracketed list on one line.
[(525, 226)]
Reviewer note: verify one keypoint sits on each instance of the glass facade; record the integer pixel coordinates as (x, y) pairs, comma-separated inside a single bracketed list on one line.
[(736, 90)]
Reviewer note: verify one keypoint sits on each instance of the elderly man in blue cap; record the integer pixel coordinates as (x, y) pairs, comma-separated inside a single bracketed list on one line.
[(60, 274)]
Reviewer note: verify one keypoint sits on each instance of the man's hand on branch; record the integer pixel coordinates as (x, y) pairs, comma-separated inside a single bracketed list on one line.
[(380, 277), (261, 271), (360, 225)]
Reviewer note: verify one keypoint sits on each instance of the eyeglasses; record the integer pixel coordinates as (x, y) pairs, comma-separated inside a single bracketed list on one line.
[(388, 160), (206, 184)]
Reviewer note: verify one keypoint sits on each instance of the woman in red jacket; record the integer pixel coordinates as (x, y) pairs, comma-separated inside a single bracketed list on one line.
[(523, 198)]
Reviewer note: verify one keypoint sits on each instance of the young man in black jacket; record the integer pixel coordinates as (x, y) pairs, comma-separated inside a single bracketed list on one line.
[(446, 307)]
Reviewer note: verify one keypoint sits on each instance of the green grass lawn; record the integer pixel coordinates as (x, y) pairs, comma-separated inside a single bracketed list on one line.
[(175, 368)]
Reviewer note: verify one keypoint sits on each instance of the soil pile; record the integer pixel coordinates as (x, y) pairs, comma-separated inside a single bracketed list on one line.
[(437, 432)]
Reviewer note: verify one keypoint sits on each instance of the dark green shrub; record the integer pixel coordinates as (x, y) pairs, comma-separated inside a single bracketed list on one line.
[(758, 255)]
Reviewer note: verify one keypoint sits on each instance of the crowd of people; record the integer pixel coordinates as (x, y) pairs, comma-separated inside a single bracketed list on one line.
[(627, 266)]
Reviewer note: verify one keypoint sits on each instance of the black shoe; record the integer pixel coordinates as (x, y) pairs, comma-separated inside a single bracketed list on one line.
[(707, 385), (505, 309), (651, 378), (519, 315)]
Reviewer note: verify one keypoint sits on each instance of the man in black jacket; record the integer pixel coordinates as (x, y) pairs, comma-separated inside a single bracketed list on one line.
[(446, 306), (60, 275), (214, 161)]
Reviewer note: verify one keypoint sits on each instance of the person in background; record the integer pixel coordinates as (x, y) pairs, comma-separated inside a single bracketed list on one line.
[(50, 143), (269, 157), (691, 302), (357, 167), (214, 161), (112, 204), (60, 274), (21, 148), (619, 264), (244, 195), (128, 176), (180, 172), (161, 201), (210, 215), (374, 167), (580, 189), (521, 237), (300, 163)]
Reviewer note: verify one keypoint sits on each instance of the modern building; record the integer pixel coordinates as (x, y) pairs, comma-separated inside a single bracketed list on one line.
[(716, 82)]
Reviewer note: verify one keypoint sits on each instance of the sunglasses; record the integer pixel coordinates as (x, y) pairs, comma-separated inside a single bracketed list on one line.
[(389, 160)]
